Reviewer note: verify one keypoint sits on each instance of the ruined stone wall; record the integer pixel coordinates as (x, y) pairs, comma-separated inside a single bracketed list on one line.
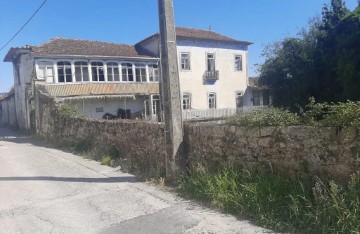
[(323, 151)]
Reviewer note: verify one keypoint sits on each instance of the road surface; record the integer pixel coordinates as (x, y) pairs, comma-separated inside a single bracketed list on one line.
[(46, 190)]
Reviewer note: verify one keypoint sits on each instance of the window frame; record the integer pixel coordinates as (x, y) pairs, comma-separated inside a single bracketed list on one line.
[(214, 100), (112, 73), (45, 64), (140, 67), (97, 68), (127, 74), (152, 73), (64, 68), (236, 68), (258, 98), (82, 67), (183, 99), (237, 95), (188, 68), (207, 61)]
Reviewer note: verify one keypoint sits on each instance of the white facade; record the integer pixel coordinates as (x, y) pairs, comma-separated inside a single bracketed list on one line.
[(231, 82)]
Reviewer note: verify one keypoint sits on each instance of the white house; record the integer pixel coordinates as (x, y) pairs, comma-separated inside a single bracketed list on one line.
[(123, 80), (213, 68)]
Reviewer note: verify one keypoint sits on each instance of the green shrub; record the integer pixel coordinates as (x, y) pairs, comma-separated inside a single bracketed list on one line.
[(106, 160), (342, 114), (68, 110), (265, 117), (278, 203)]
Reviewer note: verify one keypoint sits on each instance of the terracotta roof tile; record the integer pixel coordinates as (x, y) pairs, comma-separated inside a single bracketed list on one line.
[(183, 32), (204, 34), (61, 46)]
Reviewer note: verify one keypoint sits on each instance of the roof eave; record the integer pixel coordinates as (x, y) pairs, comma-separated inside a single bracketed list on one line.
[(13, 53), (209, 39), (49, 56)]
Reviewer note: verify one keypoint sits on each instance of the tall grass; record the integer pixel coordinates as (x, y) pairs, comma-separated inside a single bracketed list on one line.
[(281, 204)]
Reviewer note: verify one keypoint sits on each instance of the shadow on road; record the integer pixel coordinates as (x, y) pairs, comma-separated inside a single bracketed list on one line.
[(129, 179), (16, 137)]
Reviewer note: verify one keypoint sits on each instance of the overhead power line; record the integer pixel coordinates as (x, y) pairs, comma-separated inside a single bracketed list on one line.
[(7, 43)]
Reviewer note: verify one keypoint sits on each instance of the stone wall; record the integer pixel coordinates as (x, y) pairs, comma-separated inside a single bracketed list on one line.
[(324, 151), (141, 144)]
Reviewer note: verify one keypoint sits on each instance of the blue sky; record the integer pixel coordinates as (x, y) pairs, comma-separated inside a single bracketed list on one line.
[(129, 21)]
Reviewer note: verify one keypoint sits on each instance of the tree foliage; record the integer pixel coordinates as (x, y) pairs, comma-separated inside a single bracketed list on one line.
[(323, 61)]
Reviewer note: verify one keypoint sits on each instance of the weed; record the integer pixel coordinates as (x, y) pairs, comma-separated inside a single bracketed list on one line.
[(278, 203)]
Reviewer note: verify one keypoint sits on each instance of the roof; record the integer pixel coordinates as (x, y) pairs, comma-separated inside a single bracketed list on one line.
[(14, 51), (62, 46), (94, 89), (192, 33)]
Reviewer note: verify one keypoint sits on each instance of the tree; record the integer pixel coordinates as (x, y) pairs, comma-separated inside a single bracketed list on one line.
[(323, 61)]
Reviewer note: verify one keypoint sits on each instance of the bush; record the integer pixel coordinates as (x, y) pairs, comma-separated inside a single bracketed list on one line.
[(345, 114), (342, 114), (265, 117), (68, 110), (106, 160), (278, 203)]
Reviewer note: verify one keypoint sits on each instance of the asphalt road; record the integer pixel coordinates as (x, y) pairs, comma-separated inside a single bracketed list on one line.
[(46, 190)]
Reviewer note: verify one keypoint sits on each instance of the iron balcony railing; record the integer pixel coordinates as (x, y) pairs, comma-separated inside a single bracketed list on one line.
[(211, 75)]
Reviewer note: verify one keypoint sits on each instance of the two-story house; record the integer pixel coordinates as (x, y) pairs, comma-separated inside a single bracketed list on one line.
[(213, 68), (99, 77)]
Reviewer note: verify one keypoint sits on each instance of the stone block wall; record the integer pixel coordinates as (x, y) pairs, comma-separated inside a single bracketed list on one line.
[(322, 151), (141, 144)]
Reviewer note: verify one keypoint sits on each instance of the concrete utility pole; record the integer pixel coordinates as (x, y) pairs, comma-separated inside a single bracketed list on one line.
[(170, 91)]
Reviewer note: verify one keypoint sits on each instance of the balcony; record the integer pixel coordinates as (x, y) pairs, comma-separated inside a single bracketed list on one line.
[(211, 75)]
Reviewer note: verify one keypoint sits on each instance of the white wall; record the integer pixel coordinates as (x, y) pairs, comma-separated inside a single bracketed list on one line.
[(230, 81), (88, 106)]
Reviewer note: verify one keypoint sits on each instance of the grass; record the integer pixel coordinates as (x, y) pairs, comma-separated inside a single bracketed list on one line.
[(278, 203)]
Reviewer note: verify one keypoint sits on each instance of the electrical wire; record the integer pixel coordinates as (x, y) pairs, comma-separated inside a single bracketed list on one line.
[(24, 24)]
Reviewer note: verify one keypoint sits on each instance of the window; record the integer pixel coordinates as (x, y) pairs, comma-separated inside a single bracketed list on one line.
[(64, 72), (81, 71), (140, 73), (212, 100), (156, 104), (113, 72), (97, 71), (99, 109), (239, 100), (147, 107), (210, 62), (185, 61), (266, 97), (127, 72), (153, 73), (46, 71), (186, 101), (256, 97), (238, 63)]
